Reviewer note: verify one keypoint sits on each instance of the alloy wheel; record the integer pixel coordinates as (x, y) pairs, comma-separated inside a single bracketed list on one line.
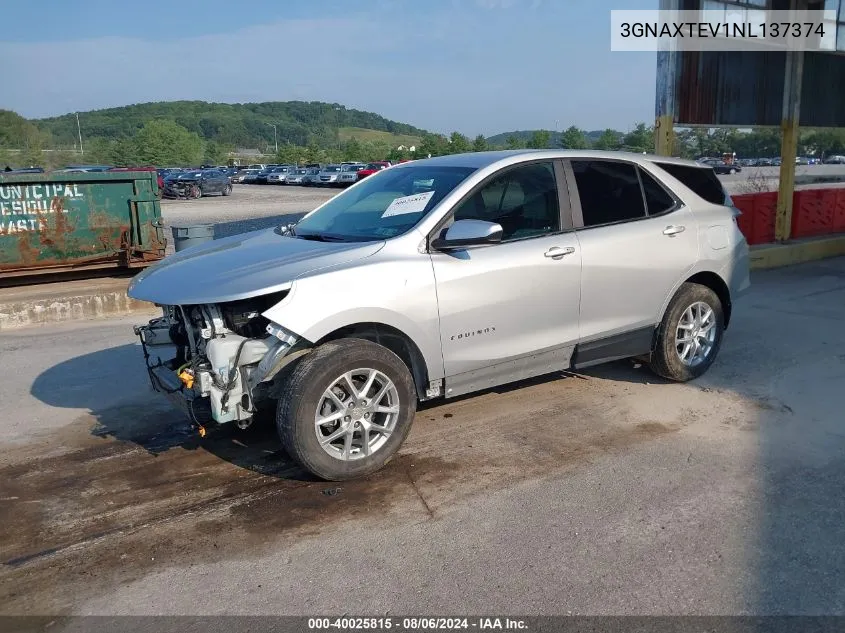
[(695, 336), (357, 414)]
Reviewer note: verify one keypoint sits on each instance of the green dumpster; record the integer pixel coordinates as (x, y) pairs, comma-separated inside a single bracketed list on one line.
[(61, 222)]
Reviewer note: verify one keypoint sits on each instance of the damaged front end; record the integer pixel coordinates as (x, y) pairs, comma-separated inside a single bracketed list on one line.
[(219, 362)]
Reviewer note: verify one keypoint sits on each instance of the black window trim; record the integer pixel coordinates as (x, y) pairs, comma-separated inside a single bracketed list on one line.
[(565, 216), (577, 210), (678, 203), (660, 165)]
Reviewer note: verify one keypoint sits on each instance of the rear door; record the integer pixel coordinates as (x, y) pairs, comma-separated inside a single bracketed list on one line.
[(637, 241)]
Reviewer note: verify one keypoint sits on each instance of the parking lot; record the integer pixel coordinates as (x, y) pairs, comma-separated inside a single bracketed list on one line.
[(252, 207), (607, 491)]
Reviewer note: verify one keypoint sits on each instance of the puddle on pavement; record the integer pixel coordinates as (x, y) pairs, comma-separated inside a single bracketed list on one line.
[(115, 504)]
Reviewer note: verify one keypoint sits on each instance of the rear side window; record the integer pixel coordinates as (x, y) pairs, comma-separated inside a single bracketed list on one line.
[(657, 198), (609, 191), (702, 181)]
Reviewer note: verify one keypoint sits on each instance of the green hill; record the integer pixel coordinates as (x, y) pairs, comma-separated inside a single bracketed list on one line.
[(377, 136), (525, 135), (230, 124)]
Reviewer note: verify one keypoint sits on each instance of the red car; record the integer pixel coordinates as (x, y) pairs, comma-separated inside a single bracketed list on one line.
[(372, 168)]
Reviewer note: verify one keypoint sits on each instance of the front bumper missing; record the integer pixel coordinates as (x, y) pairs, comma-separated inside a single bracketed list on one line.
[(217, 389)]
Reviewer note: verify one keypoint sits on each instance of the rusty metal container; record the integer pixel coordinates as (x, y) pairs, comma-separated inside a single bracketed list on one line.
[(58, 223)]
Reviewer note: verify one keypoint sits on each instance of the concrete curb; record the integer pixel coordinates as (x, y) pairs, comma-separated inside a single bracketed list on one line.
[(764, 256), (56, 303)]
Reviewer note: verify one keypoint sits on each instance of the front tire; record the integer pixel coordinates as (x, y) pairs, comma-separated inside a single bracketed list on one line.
[(690, 335), (227, 190), (346, 408)]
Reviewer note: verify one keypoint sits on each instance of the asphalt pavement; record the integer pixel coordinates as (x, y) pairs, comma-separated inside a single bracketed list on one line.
[(603, 492)]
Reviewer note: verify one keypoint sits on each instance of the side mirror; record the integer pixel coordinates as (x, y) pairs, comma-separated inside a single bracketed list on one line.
[(465, 233)]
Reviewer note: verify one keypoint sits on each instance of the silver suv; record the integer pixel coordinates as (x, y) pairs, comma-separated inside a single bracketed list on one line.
[(442, 277)]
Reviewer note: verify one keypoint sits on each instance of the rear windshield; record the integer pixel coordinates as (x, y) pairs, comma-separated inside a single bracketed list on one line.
[(701, 180)]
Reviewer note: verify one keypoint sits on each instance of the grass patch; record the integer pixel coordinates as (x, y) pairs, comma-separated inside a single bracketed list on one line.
[(374, 136)]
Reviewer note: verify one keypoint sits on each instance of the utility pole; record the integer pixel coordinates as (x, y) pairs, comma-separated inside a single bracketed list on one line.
[(79, 131), (275, 138)]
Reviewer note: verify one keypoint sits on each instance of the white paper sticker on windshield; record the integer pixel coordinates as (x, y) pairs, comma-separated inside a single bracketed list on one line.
[(408, 204)]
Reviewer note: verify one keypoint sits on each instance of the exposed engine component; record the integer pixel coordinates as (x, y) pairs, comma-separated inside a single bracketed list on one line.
[(218, 360)]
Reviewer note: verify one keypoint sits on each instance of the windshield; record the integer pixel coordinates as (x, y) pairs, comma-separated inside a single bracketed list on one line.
[(351, 167), (385, 205), (332, 168), (300, 172), (375, 166)]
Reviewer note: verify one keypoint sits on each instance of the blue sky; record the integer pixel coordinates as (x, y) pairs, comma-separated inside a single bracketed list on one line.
[(476, 66)]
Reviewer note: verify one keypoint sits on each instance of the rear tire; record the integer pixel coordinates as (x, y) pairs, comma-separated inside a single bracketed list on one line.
[(227, 190), (690, 334), (362, 430)]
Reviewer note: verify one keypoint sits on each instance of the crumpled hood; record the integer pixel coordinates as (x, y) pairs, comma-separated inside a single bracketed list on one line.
[(239, 267)]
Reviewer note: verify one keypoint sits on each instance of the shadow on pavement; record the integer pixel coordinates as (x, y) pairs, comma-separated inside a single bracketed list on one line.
[(147, 418)]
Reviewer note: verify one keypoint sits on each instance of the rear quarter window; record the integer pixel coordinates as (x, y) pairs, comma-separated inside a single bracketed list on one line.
[(702, 180)]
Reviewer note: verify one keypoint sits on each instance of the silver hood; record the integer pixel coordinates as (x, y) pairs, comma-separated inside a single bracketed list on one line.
[(239, 267)]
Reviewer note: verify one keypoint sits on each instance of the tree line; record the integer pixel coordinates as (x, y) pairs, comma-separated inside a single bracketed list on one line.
[(164, 142)]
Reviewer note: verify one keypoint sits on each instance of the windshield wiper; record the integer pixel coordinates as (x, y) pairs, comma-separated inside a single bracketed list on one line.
[(321, 237)]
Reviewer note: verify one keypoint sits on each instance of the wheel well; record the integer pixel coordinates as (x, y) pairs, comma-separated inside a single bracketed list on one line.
[(717, 285), (393, 339)]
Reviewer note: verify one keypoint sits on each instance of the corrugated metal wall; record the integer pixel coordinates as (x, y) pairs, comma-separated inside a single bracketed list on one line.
[(746, 88)]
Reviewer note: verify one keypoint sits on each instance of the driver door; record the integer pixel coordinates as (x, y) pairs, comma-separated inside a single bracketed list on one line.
[(510, 310)]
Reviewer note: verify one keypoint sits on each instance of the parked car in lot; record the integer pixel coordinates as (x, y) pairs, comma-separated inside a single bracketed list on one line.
[(277, 175), (328, 176), (196, 184), (720, 167), (628, 255), (372, 168), (835, 160), (83, 168), (311, 177), (261, 178), (159, 176), (349, 174), (249, 176), (295, 176)]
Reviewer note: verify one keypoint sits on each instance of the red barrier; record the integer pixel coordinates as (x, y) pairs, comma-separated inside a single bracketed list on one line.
[(757, 221), (814, 212), (839, 213)]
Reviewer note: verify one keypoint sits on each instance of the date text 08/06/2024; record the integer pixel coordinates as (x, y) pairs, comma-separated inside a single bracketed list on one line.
[(416, 624)]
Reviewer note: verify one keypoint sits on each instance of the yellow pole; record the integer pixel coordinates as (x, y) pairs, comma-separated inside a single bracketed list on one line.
[(664, 135), (786, 188), (789, 142)]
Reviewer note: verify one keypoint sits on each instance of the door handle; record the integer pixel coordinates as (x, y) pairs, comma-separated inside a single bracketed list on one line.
[(556, 252), (672, 231)]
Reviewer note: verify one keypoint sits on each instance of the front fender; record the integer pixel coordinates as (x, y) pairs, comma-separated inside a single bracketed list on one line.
[(400, 294)]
